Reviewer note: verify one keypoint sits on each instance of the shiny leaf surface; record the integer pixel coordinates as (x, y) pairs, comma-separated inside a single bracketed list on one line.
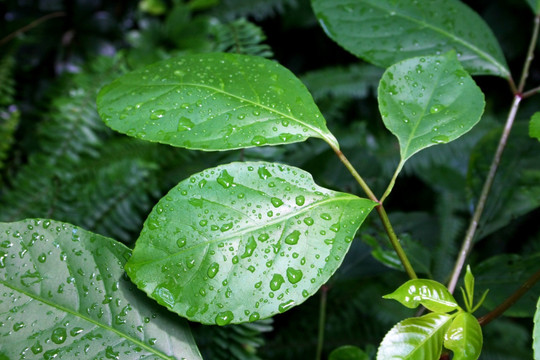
[(428, 100), (415, 338), (384, 32), (464, 337), (429, 293), (348, 352), (213, 101), (243, 241), (536, 332), (65, 296), (534, 126)]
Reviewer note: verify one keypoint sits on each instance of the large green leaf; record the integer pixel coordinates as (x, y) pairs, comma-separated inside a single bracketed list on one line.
[(65, 296), (464, 337), (243, 241), (415, 338), (534, 126), (429, 293), (213, 101), (386, 31), (536, 332), (516, 188), (428, 100)]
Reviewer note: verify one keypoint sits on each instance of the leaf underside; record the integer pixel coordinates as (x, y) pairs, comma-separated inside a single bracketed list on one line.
[(243, 241), (213, 101), (65, 296), (384, 32)]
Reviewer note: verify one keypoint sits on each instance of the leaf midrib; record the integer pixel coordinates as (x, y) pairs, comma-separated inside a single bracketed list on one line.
[(86, 318)]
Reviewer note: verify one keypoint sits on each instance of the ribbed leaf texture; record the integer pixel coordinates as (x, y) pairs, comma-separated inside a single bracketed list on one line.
[(9, 115), (241, 37), (258, 9)]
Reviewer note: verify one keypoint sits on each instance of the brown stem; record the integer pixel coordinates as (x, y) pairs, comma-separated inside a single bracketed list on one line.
[(30, 26)]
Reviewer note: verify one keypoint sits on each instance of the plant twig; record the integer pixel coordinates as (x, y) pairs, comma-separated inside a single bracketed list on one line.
[(30, 26), (322, 321), (355, 174), (471, 230), (499, 310)]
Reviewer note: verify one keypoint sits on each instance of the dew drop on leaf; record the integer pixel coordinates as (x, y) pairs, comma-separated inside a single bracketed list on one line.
[(59, 335), (276, 282), (213, 270), (292, 238), (276, 202), (254, 317), (250, 247), (225, 180), (286, 306), (184, 124), (263, 173), (440, 139), (294, 275), (300, 200), (224, 318)]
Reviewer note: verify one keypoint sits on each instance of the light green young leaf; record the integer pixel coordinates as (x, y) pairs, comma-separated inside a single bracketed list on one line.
[(415, 338), (469, 287), (384, 32), (536, 332), (535, 5), (348, 352), (534, 126), (65, 296), (429, 293), (243, 241), (213, 101), (464, 337), (428, 100)]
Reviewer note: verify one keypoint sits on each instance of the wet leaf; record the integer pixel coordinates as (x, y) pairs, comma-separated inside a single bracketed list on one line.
[(384, 32), (464, 337), (213, 101), (429, 293), (534, 126), (65, 296), (415, 338), (243, 241), (428, 100), (348, 352), (536, 332)]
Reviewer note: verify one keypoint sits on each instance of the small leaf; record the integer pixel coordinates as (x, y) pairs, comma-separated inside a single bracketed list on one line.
[(348, 352), (464, 337), (535, 5), (65, 296), (534, 126), (384, 32), (536, 332), (429, 293), (415, 338), (469, 286), (213, 101), (427, 101), (243, 241)]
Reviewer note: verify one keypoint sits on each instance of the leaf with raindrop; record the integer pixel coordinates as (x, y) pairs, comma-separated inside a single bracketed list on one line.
[(243, 241), (65, 296), (213, 101), (428, 100), (429, 293), (415, 338), (384, 32), (464, 337)]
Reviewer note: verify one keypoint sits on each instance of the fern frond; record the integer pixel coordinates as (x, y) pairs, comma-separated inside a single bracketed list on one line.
[(241, 37), (258, 9), (7, 84), (355, 81)]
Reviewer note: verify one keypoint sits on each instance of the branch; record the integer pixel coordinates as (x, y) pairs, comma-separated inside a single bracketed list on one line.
[(30, 26)]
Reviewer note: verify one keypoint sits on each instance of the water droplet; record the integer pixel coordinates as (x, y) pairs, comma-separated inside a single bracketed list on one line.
[(181, 242), (254, 317), (76, 331), (225, 180), (276, 282), (157, 114), (294, 275), (335, 227), (226, 227), (111, 354), (300, 200), (59, 335), (440, 139), (292, 238), (224, 318), (286, 306), (42, 258), (163, 294), (276, 202), (436, 108), (197, 202), (264, 173), (213, 270), (326, 216), (184, 124), (36, 348), (263, 237), (18, 326), (259, 140), (309, 221), (250, 247)]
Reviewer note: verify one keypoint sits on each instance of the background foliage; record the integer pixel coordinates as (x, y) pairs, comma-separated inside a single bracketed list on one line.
[(58, 160)]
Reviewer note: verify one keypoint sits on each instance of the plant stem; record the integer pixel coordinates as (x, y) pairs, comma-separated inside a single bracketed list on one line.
[(393, 181), (499, 310), (322, 321), (382, 213), (518, 96), (30, 26)]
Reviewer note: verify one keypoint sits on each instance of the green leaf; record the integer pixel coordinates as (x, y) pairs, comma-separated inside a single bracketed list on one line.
[(468, 297), (536, 332), (384, 32), (65, 296), (415, 338), (348, 352), (243, 241), (464, 337), (428, 100), (534, 126), (429, 293), (503, 275), (535, 5), (213, 102)]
